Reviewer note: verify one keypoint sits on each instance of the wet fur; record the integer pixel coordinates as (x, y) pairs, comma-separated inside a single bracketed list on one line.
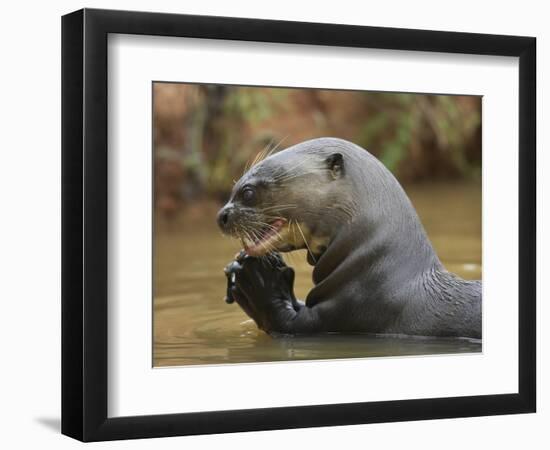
[(374, 267)]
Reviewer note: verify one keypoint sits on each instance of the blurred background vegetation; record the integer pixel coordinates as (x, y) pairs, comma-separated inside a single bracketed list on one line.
[(205, 134)]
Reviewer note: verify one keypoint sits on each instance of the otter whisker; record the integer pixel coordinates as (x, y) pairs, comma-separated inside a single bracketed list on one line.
[(251, 233), (246, 166), (274, 218), (267, 247), (269, 213), (305, 242), (268, 145), (282, 180), (291, 174), (249, 164), (276, 146), (278, 207), (293, 228), (256, 235), (264, 153), (282, 171), (259, 157), (292, 169), (265, 225), (293, 231), (271, 217), (304, 160), (347, 210), (246, 236), (262, 223)]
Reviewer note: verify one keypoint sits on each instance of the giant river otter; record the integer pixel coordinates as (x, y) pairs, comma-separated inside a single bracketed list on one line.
[(375, 270)]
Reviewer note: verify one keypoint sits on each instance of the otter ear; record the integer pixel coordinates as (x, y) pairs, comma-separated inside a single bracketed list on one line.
[(335, 163)]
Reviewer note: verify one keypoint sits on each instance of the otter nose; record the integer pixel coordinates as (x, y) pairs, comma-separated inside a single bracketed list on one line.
[(223, 217)]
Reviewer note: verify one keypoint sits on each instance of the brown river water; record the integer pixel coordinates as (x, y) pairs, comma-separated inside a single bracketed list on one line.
[(193, 325)]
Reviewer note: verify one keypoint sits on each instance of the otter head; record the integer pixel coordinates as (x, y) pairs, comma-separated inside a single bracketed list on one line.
[(291, 200)]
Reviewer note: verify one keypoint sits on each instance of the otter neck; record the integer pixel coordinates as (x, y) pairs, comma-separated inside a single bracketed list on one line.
[(366, 241)]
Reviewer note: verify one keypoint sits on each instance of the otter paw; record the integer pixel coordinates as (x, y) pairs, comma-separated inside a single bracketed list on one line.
[(264, 289)]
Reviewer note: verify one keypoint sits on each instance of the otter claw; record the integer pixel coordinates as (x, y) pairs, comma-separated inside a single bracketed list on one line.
[(230, 270)]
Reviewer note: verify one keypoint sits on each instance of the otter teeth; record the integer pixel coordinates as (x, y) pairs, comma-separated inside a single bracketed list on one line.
[(259, 246)]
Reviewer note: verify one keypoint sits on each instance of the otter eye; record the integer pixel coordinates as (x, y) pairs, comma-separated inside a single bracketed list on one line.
[(248, 195)]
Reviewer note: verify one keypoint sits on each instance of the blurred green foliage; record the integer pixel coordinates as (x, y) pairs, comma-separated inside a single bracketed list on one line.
[(405, 120), (253, 105), (243, 107), (211, 131)]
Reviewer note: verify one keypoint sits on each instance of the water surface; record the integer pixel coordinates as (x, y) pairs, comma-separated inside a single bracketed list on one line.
[(193, 325)]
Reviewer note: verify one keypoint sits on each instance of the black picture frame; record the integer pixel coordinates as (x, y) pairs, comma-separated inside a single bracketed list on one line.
[(84, 224)]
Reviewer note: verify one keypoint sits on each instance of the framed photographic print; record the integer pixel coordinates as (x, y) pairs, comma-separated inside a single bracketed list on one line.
[(273, 224)]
